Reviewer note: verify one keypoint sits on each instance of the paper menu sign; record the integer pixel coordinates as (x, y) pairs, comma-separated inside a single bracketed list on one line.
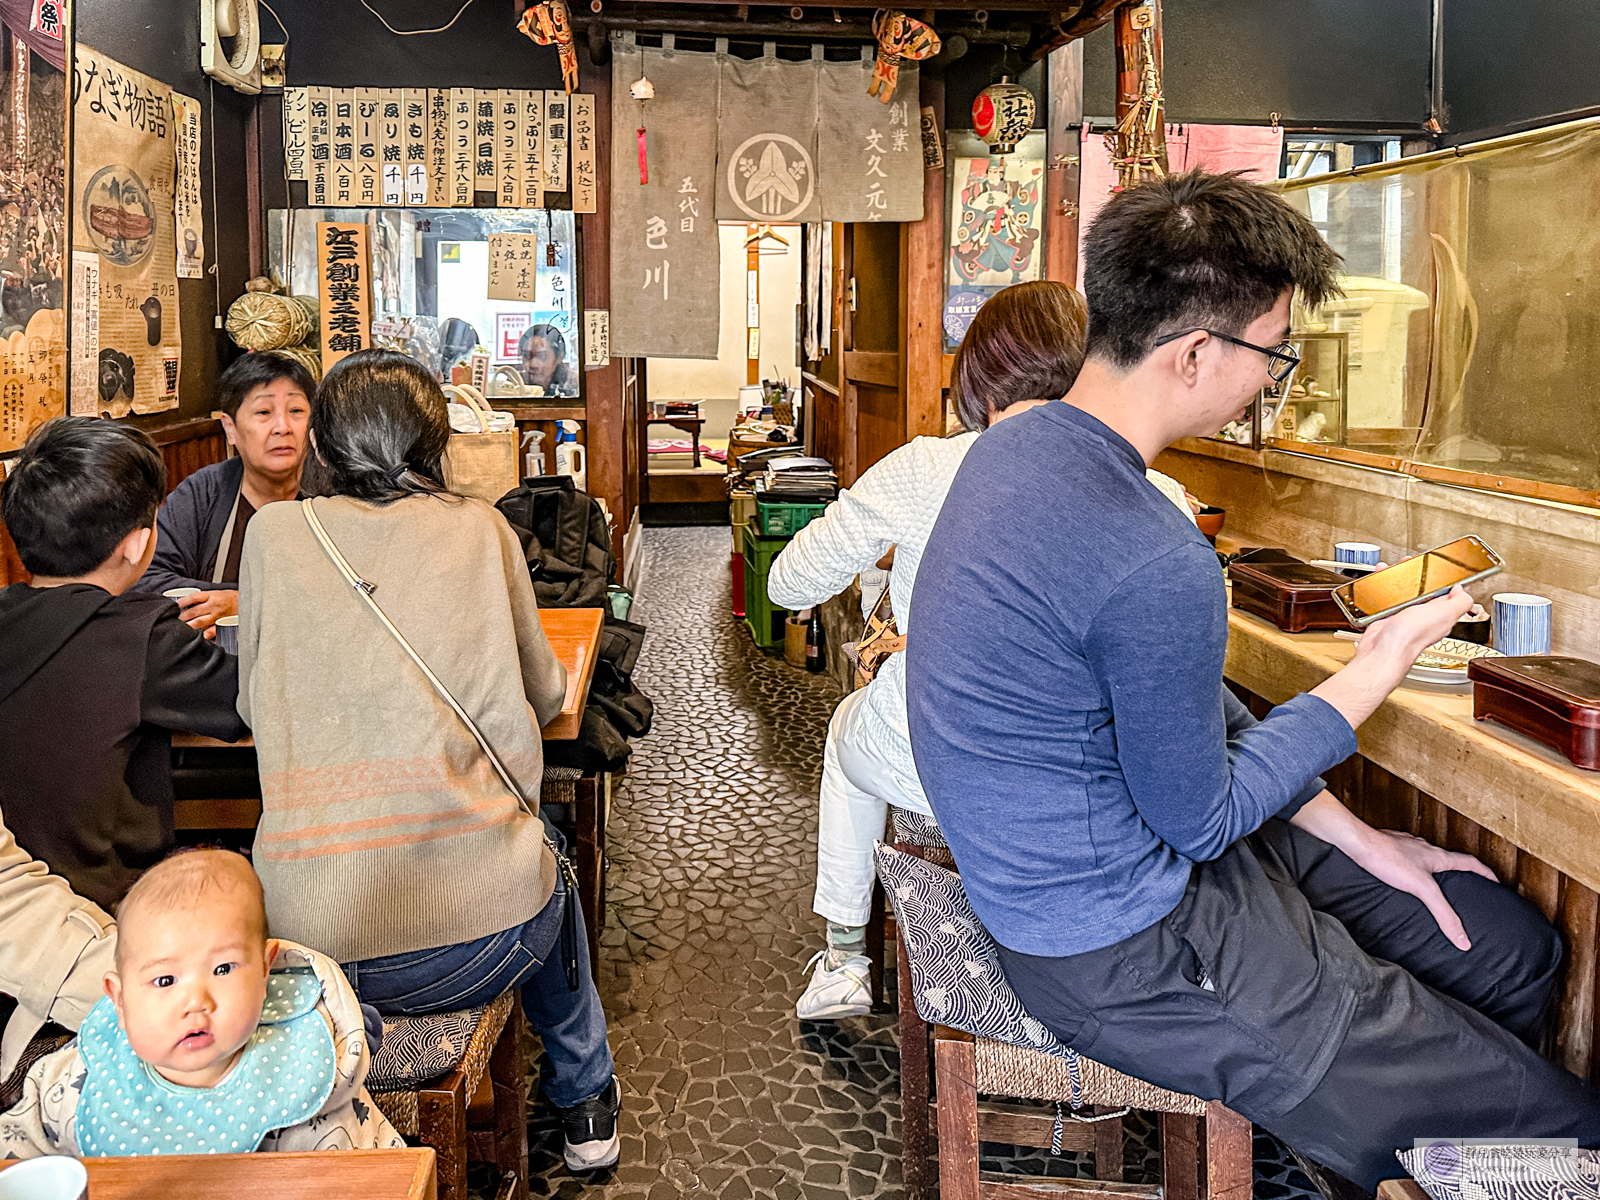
[(190, 227), (585, 189), (319, 169), (513, 266), (557, 127), (414, 139), (296, 132), (463, 150)]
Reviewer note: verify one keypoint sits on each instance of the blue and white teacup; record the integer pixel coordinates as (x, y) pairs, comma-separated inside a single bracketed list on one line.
[(1521, 623), (1366, 553)]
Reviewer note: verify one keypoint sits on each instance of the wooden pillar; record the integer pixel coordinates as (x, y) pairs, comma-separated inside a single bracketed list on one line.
[(922, 252), (603, 385), (1133, 22), (1063, 148)]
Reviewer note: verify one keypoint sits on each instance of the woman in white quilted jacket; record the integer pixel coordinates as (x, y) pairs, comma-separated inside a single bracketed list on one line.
[(1023, 348)]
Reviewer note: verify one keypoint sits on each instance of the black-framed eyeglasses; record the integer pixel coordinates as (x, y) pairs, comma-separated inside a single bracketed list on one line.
[(1281, 359)]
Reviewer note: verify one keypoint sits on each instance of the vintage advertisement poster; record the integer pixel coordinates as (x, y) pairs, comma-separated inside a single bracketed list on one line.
[(296, 132), (318, 110), (33, 355), (995, 227), (190, 223), (513, 266), (125, 136), (345, 283), (584, 191)]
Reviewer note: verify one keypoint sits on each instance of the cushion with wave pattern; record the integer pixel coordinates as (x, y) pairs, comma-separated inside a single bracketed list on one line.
[(417, 1049), (1452, 1170)]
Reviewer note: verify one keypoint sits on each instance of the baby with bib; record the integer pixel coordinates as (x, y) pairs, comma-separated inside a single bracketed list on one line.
[(212, 1037)]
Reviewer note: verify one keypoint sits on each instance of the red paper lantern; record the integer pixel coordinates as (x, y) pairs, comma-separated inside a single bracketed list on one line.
[(1003, 114)]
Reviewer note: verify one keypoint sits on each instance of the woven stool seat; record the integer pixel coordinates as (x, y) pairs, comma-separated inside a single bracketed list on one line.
[(1033, 1075), (414, 1047)]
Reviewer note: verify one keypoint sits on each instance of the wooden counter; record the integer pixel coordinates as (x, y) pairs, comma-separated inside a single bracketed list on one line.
[(302, 1175), (1425, 766)]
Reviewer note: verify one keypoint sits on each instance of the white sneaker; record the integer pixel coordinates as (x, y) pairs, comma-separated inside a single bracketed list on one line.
[(845, 991)]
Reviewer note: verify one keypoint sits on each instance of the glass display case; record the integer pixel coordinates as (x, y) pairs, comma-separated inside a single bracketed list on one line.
[(1314, 410)]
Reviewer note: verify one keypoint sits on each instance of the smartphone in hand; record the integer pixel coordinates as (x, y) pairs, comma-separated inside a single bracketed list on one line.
[(1417, 580)]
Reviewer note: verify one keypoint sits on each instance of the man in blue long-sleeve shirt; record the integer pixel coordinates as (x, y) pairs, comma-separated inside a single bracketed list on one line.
[(1173, 891)]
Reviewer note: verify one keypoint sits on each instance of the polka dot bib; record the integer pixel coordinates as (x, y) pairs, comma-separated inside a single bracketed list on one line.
[(283, 1078)]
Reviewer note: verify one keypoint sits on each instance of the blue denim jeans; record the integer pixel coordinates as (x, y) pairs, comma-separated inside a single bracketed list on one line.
[(527, 956)]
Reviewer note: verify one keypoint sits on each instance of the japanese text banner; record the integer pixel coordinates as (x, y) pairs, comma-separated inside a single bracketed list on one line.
[(665, 277), (872, 168)]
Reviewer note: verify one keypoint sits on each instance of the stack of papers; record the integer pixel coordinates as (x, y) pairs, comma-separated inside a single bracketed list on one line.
[(798, 481)]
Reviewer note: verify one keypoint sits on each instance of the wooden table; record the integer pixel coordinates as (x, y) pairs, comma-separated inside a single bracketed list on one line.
[(1426, 767), (303, 1175), (688, 424), (574, 635)]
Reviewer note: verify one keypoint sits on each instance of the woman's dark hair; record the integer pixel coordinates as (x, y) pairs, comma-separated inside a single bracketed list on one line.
[(381, 427), (246, 374), (553, 337), (80, 485), (1026, 343), (1195, 251)]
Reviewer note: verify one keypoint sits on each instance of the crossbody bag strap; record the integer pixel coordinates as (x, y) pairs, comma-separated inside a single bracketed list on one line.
[(365, 590)]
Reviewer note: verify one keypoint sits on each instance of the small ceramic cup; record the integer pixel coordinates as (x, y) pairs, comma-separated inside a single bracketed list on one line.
[(1521, 623), (53, 1177), (1474, 627), (180, 593), (1357, 552), (228, 634)]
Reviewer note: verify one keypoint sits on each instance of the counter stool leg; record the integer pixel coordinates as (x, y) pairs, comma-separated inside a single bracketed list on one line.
[(1229, 1154), (442, 1124), (508, 1071), (917, 1173), (877, 925), (958, 1119), (588, 853), (1108, 1150), (1180, 1156)]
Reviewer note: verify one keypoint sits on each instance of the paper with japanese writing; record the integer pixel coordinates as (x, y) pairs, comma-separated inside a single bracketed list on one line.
[(344, 281), (596, 338), (557, 119), (123, 122), (766, 139), (485, 102), (533, 148), (513, 266), (873, 167), (319, 112), (84, 393), (585, 189), (665, 276), (190, 232), (343, 137), (439, 147), (414, 142), (33, 386), (369, 185), (391, 147), (296, 141), (508, 149)]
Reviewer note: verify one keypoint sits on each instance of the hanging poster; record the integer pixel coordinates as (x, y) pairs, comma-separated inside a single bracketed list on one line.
[(414, 138), (557, 111), (463, 157), (485, 101), (369, 180), (872, 170), (318, 176), (585, 189), (766, 138), (665, 257), (344, 282), (391, 148), (296, 144), (343, 137), (533, 148), (508, 149), (513, 266), (438, 147), (85, 391), (190, 232), (123, 125), (995, 228)]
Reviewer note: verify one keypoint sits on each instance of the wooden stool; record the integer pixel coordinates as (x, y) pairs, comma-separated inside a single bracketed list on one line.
[(1206, 1151), (477, 1109), (578, 804)]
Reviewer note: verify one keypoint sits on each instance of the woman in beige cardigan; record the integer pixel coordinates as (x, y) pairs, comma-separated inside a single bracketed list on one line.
[(387, 839)]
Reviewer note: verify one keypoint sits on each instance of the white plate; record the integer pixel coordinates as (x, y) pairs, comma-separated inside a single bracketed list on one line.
[(1452, 675)]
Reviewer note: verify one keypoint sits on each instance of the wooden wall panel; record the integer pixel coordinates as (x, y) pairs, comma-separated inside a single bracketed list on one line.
[(1386, 801), (826, 415), (880, 423), (187, 446)]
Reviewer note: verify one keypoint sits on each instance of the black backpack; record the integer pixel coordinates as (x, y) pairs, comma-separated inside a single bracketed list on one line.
[(564, 539)]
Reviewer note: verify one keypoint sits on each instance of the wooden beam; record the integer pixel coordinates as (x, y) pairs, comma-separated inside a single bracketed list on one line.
[(603, 385), (1092, 17), (1063, 150), (876, 367), (922, 251)]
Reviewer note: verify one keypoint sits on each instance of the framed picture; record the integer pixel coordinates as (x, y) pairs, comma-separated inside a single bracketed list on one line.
[(995, 224)]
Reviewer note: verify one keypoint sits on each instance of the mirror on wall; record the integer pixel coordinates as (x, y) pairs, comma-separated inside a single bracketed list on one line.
[(451, 282)]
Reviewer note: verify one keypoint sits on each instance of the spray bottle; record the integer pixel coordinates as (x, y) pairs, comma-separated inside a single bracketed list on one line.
[(570, 457)]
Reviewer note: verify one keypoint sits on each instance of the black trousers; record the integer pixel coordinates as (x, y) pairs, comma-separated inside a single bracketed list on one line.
[(1327, 1007)]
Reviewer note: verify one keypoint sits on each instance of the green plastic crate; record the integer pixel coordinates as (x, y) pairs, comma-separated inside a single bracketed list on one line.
[(780, 519), (765, 621)]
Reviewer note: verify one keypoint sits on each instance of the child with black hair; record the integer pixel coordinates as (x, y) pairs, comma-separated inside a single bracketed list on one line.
[(93, 676)]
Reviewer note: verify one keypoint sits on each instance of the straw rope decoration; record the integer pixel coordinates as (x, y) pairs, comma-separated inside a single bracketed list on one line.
[(263, 321), (1138, 144)]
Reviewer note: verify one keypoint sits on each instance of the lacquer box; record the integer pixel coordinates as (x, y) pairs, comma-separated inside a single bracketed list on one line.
[(1550, 698), (1293, 595)]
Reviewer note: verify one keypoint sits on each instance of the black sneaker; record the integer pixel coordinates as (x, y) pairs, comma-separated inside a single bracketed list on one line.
[(590, 1129)]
